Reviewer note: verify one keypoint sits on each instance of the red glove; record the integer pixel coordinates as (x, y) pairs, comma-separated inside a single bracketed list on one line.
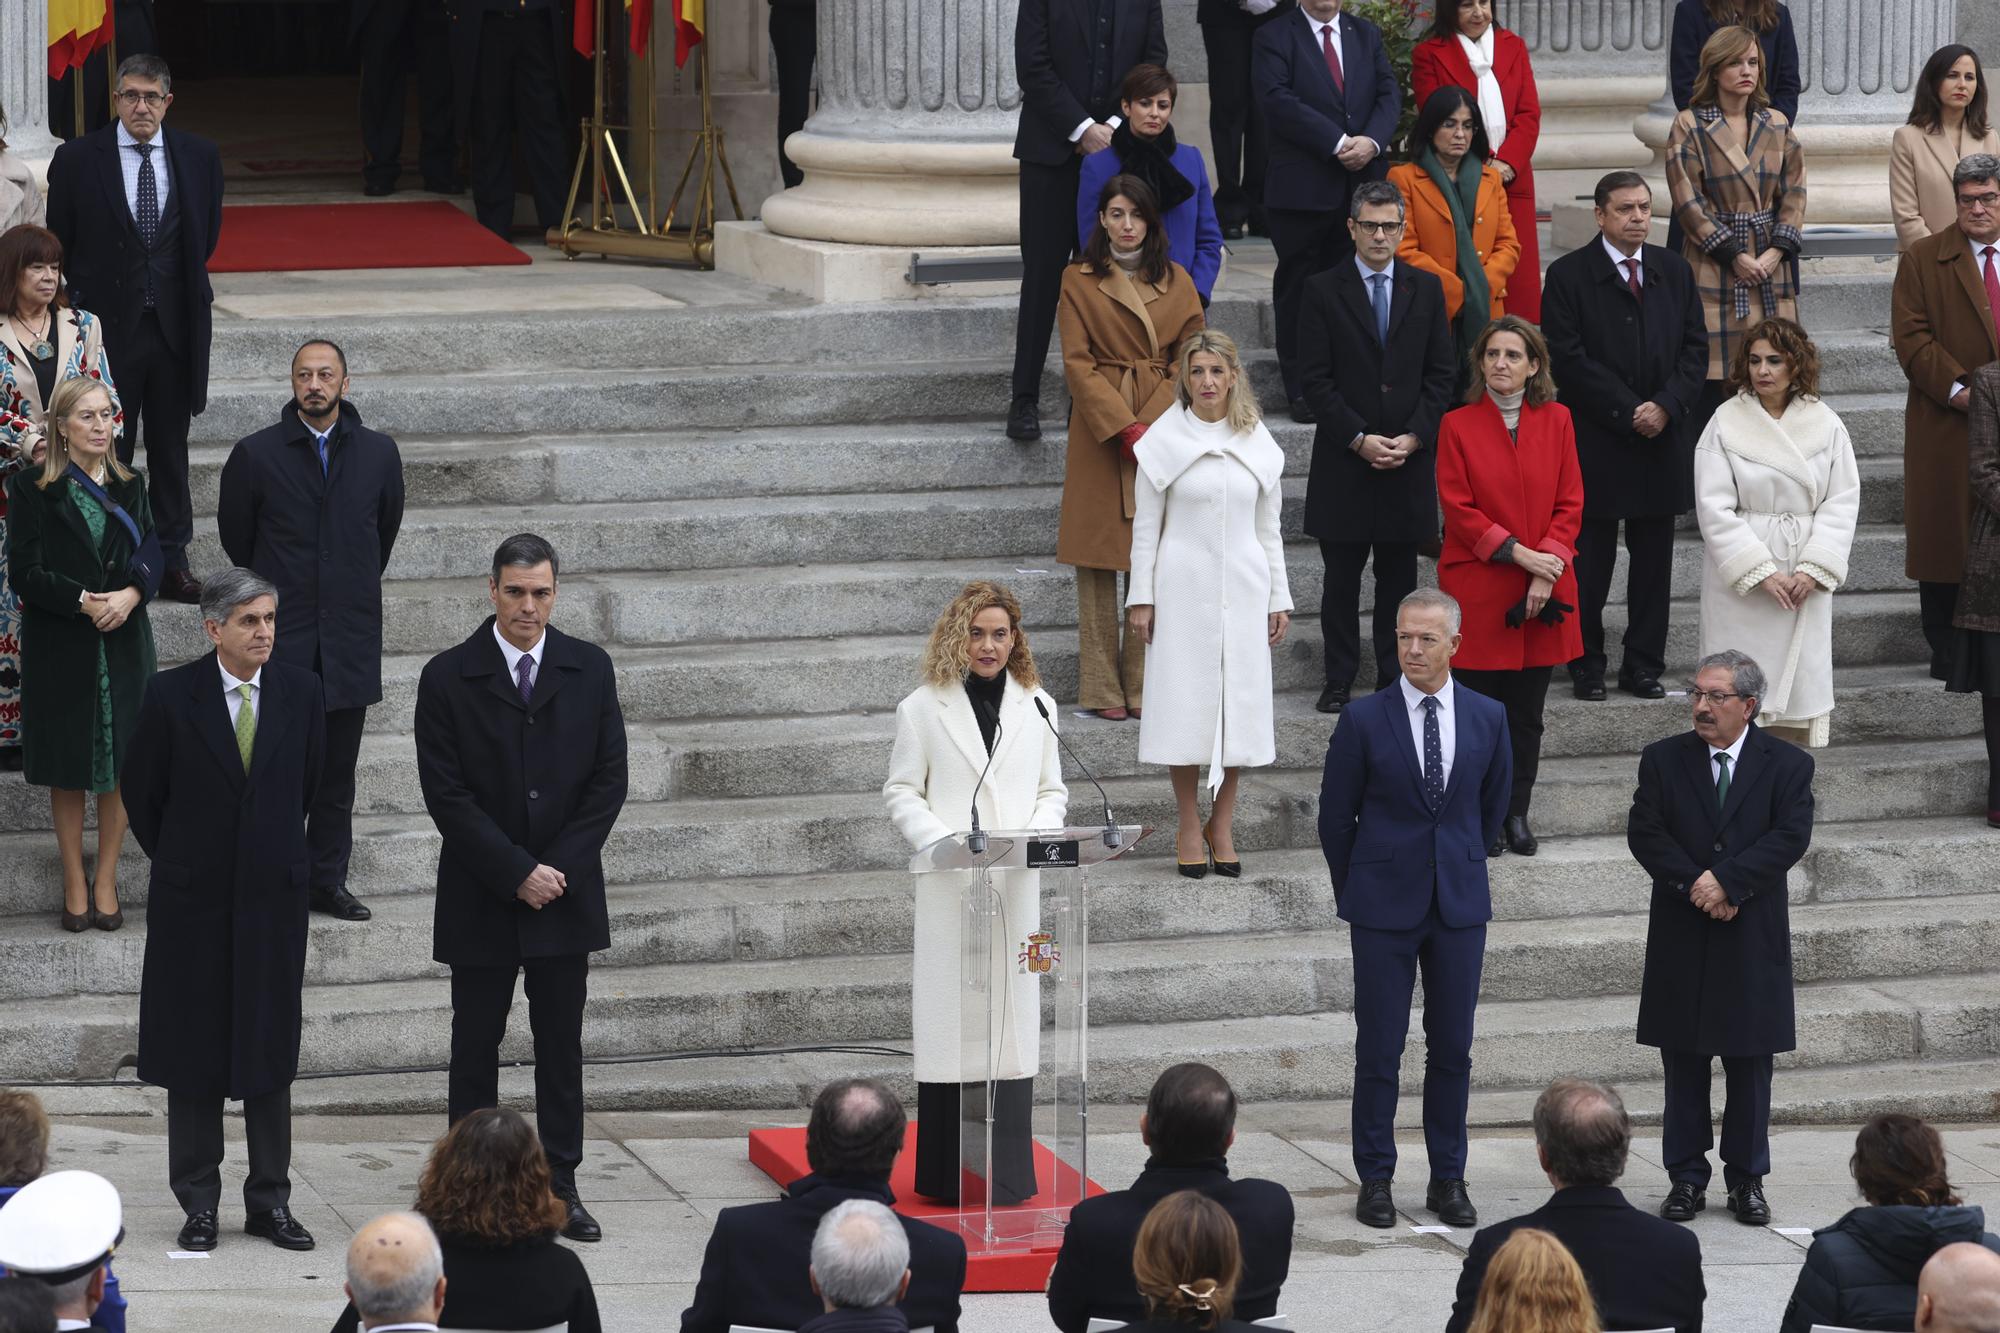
[(1128, 439)]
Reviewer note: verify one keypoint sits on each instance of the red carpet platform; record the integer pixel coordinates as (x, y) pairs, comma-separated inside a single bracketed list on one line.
[(264, 238), (781, 1155)]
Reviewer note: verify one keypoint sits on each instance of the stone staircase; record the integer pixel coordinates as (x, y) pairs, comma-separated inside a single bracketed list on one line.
[(759, 509)]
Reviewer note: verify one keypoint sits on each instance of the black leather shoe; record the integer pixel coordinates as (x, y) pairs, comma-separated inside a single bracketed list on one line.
[(1332, 699), (1588, 687), (581, 1225), (1499, 846), (1684, 1200), (1520, 838), (11, 759), (198, 1232), (1642, 687), (452, 186), (1376, 1207), (181, 586), (1302, 412), (376, 189), (1024, 420), (280, 1228), (1747, 1202), (1448, 1199), (337, 901), (1233, 231)]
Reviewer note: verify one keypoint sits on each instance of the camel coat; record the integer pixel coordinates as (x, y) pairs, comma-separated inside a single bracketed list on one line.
[(933, 772), (1920, 193), (1119, 337), (1942, 328), (1430, 241)]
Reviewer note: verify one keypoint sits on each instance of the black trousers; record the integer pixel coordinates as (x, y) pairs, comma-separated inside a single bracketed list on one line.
[(948, 1107), (1523, 694), (401, 37), (480, 998), (1307, 242), (1048, 239), (1687, 1132), (1340, 605), (1936, 603), (516, 90), (794, 38), (1235, 124), (152, 374), (1649, 592), (330, 822), (194, 1150)]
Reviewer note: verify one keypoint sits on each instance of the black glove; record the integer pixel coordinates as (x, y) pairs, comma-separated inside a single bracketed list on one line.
[(1552, 612)]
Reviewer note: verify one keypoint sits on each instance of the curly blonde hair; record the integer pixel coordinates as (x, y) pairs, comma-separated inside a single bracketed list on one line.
[(948, 655), (1534, 1285)]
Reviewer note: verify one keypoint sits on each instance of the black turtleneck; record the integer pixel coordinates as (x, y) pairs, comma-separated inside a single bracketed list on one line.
[(986, 695)]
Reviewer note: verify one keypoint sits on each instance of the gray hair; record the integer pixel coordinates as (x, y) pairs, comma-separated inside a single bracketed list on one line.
[(1433, 599), (1745, 676), (1583, 1129), (228, 589), (859, 1255), (73, 1292), (389, 1290), (1975, 167), (148, 67), (1374, 193)]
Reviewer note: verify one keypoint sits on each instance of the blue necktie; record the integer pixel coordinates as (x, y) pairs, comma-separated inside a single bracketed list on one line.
[(1379, 282), (320, 441), (1433, 754)]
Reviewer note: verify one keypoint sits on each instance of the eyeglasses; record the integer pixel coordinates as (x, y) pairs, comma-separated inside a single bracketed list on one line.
[(1978, 200), (131, 98), (1379, 228), (1713, 696)]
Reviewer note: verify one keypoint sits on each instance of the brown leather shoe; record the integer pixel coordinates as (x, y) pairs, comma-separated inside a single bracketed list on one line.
[(181, 586)]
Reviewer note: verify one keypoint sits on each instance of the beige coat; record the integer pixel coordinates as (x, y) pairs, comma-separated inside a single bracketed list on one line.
[(1920, 192), (21, 198), (1119, 337)]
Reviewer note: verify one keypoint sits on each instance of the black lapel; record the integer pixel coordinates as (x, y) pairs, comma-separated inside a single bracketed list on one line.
[(111, 175), (486, 659), (557, 662), (1701, 773), (1354, 295), (275, 710), (1757, 746), (211, 718)]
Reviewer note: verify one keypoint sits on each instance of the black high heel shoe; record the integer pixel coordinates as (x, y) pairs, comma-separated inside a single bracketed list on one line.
[(1226, 869), (76, 922), (1193, 869)]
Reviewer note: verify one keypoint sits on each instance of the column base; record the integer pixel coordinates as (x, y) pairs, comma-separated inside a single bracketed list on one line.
[(878, 192), (835, 272)]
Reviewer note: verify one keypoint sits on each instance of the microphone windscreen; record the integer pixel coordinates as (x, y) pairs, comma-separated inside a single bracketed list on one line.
[(1041, 708)]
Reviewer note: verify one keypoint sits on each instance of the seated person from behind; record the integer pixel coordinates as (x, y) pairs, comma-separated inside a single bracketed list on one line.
[(1190, 1123), (1959, 1290), (860, 1270), (756, 1270)]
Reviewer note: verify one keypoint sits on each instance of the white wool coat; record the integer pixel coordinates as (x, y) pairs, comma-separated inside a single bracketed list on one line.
[(1208, 557), (1776, 496), (932, 772)]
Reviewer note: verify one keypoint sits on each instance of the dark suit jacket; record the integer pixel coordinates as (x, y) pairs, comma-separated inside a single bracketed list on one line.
[(1644, 1271), (529, 1284), (510, 785), (1093, 1273), (1385, 849), (1720, 987), (1307, 116), (1693, 27), (219, 1004), (104, 261), (1052, 50), (1357, 386), (754, 1271), (323, 540), (1610, 352)]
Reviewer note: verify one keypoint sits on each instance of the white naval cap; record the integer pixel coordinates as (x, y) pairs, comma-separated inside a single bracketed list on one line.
[(60, 1226)]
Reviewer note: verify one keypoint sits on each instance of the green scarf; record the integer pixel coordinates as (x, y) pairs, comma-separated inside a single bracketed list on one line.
[(1477, 312)]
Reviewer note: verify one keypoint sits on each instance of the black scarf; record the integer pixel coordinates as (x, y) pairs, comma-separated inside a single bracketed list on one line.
[(1152, 161)]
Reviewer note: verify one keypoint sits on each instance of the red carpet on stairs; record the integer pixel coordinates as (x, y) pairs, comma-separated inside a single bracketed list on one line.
[(263, 238)]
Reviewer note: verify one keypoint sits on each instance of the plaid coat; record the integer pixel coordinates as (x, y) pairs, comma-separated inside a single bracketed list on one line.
[(1732, 199)]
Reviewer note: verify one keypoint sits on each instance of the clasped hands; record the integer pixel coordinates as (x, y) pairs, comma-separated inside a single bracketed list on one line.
[(1383, 452), (1754, 272), (108, 610), (543, 886), (1790, 590), (1707, 895), (1543, 571)]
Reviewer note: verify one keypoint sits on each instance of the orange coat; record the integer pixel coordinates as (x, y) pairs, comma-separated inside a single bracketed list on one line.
[(1430, 241)]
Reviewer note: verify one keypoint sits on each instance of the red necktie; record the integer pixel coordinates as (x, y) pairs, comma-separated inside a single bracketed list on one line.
[(1632, 278), (1992, 287), (1332, 54)]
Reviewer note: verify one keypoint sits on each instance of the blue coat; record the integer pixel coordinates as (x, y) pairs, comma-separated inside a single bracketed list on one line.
[(1194, 237), (1381, 838), (110, 1314), (1307, 116)]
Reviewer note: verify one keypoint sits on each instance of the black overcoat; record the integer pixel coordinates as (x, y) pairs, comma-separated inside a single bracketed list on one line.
[(1053, 45), (323, 540), (467, 17), (1357, 386), (219, 1003), (51, 561), (1720, 987), (1609, 352), (510, 786)]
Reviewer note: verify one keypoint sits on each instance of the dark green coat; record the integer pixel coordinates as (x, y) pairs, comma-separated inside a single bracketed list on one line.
[(53, 563)]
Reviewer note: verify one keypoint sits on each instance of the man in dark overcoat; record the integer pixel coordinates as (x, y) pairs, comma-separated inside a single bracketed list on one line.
[(313, 504), (138, 208), (507, 83), (521, 753), (1629, 351), (1721, 815), (220, 774), (1236, 127), (1378, 364), (395, 38)]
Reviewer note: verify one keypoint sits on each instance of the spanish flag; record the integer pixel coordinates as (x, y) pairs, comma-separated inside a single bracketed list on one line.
[(688, 24), (639, 20), (76, 29)]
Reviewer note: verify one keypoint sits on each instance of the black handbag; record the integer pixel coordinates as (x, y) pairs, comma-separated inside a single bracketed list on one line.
[(147, 564)]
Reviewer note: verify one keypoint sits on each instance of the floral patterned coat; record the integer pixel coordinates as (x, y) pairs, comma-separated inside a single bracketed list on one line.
[(79, 349)]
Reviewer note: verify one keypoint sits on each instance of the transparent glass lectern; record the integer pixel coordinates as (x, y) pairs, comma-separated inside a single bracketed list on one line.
[(1024, 1017)]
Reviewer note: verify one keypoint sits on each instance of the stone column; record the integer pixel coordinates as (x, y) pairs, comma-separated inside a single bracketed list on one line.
[(912, 142), (24, 79)]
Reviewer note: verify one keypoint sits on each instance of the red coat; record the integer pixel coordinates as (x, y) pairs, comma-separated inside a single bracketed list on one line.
[(1440, 61), (1492, 488)]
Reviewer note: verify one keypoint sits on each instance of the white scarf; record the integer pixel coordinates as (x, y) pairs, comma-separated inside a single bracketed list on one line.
[(1492, 109)]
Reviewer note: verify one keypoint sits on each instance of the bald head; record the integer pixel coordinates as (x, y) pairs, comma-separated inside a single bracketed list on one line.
[(1959, 1291), (395, 1272)]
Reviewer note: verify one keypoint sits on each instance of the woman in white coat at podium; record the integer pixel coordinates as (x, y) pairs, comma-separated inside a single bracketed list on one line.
[(977, 701)]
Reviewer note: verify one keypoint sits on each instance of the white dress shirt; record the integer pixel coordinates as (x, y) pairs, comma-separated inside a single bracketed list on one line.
[(128, 166), (1735, 753), (1413, 701), (234, 692), (514, 656), (1619, 260)]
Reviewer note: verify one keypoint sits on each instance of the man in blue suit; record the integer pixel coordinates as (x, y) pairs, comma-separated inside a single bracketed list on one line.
[(1416, 785), (1330, 102)]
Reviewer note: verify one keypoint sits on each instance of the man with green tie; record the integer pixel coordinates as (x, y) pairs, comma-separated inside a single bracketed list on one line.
[(218, 778)]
